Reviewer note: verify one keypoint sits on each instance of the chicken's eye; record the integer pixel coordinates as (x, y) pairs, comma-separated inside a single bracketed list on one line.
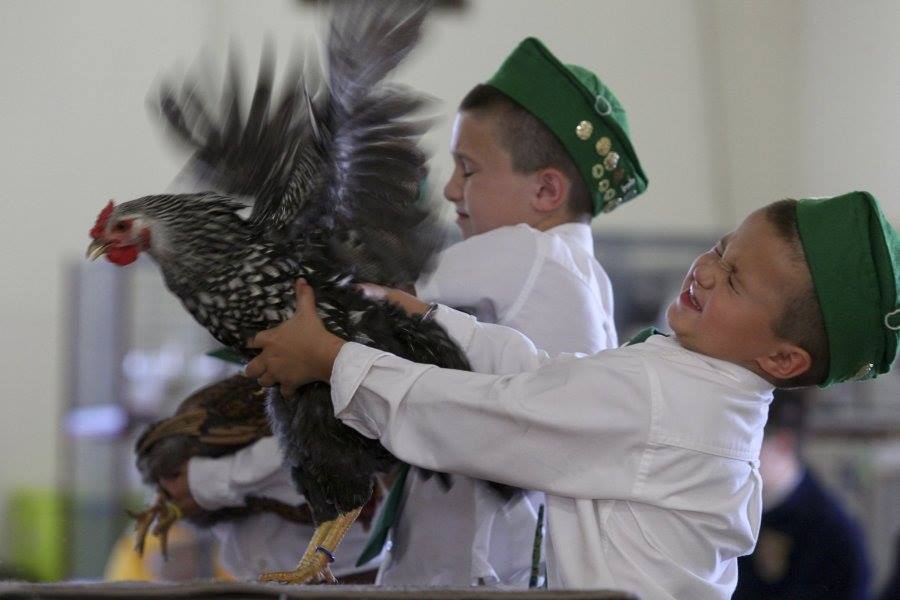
[(121, 226)]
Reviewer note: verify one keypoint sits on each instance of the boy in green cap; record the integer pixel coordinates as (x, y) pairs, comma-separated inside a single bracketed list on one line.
[(648, 453), (538, 150)]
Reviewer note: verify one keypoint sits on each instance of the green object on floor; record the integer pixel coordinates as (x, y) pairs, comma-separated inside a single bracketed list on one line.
[(36, 532)]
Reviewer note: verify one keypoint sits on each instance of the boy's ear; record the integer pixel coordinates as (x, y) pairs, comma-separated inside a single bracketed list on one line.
[(786, 361), (552, 190)]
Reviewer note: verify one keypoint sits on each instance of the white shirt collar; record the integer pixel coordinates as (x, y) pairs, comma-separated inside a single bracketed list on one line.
[(577, 234), (745, 376)]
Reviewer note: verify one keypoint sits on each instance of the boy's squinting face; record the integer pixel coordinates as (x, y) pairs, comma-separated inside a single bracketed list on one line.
[(484, 188), (735, 292)]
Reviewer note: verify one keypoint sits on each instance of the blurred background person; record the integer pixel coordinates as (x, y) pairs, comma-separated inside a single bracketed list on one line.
[(891, 590), (808, 547)]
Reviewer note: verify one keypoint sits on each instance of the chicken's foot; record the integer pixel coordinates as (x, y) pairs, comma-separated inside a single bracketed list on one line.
[(164, 513), (315, 563)]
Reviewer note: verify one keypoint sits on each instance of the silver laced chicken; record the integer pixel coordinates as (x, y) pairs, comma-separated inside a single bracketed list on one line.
[(332, 171)]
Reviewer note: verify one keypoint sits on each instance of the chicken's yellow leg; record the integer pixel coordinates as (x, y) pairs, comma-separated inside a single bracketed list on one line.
[(165, 513), (314, 564)]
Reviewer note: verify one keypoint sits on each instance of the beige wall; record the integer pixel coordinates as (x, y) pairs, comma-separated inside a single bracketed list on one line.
[(850, 125), (732, 104)]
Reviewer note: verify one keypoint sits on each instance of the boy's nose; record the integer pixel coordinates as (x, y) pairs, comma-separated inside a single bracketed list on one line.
[(452, 190), (705, 272)]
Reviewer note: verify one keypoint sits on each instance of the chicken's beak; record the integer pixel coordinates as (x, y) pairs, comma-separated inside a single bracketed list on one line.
[(97, 249)]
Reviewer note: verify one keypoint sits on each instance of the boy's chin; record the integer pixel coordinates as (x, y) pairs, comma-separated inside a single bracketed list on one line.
[(672, 316), (465, 227), (680, 332)]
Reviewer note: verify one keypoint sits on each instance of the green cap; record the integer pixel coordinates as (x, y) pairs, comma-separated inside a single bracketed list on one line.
[(582, 113), (852, 252)]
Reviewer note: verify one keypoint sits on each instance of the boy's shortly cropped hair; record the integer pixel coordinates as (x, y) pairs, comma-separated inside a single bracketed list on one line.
[(531, 145), (801, 322)]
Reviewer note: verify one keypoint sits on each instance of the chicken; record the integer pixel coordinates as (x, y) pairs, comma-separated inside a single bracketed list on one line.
[(333, 178), (216, 420)]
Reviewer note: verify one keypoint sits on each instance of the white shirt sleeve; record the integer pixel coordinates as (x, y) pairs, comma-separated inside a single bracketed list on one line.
[(256, 470), (575, 427), (491, 348)]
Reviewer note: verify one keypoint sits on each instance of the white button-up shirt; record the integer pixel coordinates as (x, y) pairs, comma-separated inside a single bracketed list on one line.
[(264, 541), (648, 453), (548, 285)]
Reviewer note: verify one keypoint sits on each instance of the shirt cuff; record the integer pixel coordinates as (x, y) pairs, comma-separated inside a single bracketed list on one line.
[(459, 325), (351, 366)]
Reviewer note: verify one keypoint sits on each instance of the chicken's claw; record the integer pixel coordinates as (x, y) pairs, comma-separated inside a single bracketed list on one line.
[(166, 517), (164, 512), (314, 564), (310, 570), (141, 527)]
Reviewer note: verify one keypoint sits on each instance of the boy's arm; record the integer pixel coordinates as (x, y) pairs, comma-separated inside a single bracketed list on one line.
[(493, 348), (227, 480), (489, 348), (571, 428)]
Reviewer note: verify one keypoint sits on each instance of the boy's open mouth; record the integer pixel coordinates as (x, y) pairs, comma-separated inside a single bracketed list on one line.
[(689, 300)]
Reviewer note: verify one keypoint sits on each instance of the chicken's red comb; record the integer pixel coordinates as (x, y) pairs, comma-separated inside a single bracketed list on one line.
[(100, 225)]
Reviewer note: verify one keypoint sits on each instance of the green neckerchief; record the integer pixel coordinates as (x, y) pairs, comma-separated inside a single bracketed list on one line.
[(387, 519), (390, 514), (642, 336)]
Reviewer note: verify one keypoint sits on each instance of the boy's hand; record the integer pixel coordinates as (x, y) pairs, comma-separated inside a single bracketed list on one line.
[(298, 351), (408, 302)]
